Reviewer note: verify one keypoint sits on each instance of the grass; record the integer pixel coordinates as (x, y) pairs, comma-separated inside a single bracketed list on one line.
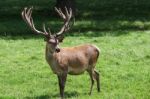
[(123, 65), (119, 28)]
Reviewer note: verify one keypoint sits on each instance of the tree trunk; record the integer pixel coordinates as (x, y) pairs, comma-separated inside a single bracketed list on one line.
[(68, 4)]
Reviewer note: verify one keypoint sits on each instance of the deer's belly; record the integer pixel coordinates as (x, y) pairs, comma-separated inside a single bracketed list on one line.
[(76, 71)]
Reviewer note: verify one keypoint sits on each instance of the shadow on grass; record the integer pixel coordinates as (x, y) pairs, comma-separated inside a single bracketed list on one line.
[(86, 27), (72, 34), (55, 96), (94, 24)]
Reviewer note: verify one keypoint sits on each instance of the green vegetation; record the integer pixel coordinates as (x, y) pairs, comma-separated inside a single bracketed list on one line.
[(98, 15), (123, 64), (120, 28)]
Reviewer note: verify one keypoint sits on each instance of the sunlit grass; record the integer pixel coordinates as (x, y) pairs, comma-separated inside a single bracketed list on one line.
[(123, 65), (123, 40)]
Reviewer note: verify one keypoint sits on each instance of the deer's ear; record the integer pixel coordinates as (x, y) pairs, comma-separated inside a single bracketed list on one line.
[(60, 38)]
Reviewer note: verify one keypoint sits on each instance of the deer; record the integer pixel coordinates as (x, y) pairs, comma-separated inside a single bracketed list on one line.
[(68, 60)]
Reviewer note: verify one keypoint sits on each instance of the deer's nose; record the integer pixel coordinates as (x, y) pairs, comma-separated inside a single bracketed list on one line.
[(57, 50)]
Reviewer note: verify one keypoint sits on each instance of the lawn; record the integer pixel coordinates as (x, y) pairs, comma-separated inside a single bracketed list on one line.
[(123, 65), (121, 29)]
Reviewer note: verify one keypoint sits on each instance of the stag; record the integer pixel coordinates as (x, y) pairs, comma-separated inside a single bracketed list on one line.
[(69, 60)]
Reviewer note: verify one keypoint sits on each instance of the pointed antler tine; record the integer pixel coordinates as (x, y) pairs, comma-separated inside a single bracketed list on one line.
[(56, 9), (67, 13), (44, 28), (22, 14), (30, 11), (70, 11), (59, 11), (25, 11), (49, 31)]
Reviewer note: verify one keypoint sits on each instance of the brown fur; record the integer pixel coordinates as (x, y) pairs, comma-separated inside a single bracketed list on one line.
[(74, 61), (63, 61)]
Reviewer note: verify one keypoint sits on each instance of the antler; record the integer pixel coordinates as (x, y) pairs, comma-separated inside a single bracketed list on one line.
[(27, 17), (66, 17)]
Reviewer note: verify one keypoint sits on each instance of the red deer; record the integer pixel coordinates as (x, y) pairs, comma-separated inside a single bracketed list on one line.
[(69, 60)]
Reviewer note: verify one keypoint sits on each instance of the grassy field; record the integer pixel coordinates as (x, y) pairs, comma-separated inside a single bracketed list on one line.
[(123, 65), (120, 28)]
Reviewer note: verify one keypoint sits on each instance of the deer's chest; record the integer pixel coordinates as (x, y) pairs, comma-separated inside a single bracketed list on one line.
[(53, 64)]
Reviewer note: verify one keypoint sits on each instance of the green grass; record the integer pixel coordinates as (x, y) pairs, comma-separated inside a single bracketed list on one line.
[(123, 65), (120, 28)]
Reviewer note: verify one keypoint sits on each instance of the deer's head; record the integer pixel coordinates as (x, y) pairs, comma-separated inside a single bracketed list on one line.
[(54, 39)]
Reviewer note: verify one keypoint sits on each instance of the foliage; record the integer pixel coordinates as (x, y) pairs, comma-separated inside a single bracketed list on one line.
[(96, 7), (98, 15)]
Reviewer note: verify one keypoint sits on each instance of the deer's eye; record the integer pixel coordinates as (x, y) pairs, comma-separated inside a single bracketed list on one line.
[(52, 41)]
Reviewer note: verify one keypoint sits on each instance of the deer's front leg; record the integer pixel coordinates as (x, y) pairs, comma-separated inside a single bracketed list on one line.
[(62, 80)]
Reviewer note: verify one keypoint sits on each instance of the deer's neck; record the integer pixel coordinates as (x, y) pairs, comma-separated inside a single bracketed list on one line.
[(48, 52), (52, 60)]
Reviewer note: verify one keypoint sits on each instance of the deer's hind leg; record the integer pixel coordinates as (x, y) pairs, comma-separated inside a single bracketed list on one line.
[(92, 80), (94, 75), (97, 78)]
